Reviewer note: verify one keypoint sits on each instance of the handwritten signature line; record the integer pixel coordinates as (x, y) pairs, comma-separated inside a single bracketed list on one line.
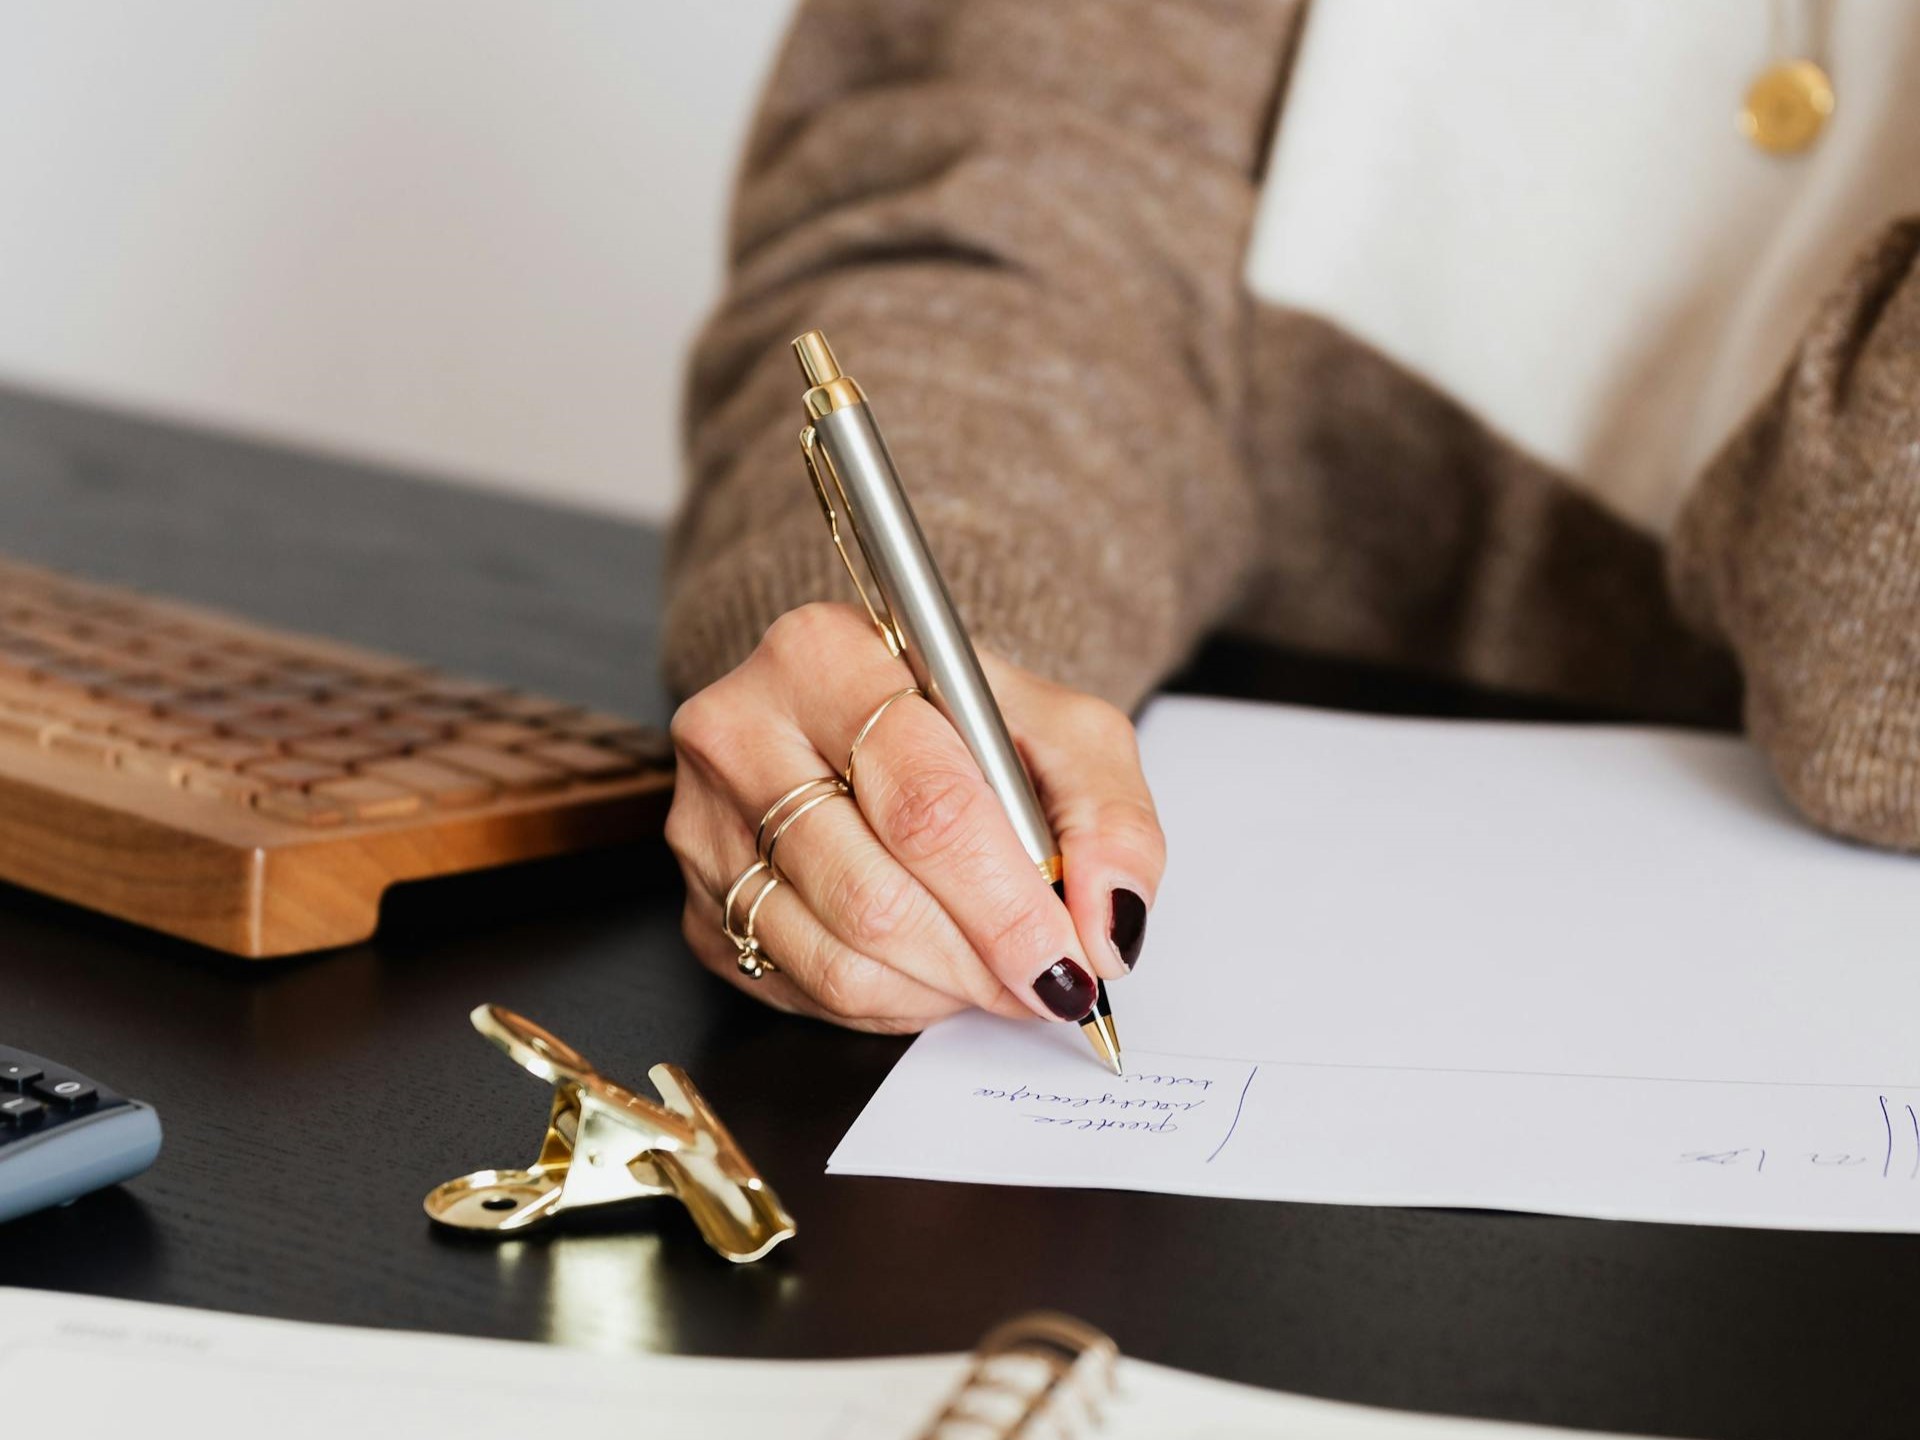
[(1236, 1116)]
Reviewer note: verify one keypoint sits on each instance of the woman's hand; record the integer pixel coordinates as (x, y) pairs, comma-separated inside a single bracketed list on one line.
[(912, 899)]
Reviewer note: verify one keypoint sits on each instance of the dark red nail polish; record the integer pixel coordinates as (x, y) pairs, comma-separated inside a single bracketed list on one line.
[(1127, 925), (1066, 989)]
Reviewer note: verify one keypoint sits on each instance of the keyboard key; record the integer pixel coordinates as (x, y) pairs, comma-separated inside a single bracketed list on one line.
[(343, 716), (340, 749), (20, 1111), (221, 710), (81, 745), (231, 754), (276, 697), (440, 785), (98, 718), (530, 707), (401, 735), (16, 725), (281, 728), (300, 808), (220, 784), (70, 678), (590, 761), (149, 694), (295, 774), (155, 733), (17, 1075), (64, 1091), (509, 772), (437, 716), (500, 734), (154, 765), (367, 797), (447, 690)]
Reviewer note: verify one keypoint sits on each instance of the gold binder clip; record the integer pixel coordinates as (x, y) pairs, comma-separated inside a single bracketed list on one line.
[(606, 1145)]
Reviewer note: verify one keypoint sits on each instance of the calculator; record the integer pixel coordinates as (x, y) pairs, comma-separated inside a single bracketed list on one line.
[(63, 1135)]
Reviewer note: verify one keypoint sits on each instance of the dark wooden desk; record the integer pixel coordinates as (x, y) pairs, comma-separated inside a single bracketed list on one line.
[(309, 1106)]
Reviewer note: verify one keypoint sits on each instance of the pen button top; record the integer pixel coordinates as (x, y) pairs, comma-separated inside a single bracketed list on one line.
[(817, 362)]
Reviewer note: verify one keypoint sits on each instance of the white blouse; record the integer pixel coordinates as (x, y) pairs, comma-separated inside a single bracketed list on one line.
[(1546, 208)]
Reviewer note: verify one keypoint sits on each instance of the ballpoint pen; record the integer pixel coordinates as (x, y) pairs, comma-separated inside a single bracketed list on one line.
[(848, 462)]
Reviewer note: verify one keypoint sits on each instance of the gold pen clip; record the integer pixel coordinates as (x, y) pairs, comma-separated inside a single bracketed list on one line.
[(816, 458)]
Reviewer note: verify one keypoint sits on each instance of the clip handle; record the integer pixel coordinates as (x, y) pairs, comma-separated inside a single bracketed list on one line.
[(882, 615)]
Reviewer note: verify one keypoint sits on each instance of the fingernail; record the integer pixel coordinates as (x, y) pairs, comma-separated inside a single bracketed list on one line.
[(1065, 989), (1128, 926)]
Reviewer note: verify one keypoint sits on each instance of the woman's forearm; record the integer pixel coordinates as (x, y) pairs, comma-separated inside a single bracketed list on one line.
[(1024, 224)]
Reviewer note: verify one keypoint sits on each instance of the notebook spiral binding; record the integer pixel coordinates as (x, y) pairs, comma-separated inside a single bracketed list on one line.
[(1038, 1375)]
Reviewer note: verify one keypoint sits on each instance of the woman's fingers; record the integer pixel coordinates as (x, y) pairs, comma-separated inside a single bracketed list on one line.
[(864, 922), (925, 799), (875, 906), (914, 897), (814, 975), (1085, 762)]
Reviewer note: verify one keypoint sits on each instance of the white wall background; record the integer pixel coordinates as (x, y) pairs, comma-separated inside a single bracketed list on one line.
[(468, 236)]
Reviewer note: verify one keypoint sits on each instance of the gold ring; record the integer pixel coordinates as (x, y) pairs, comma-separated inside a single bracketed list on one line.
[(753, 960), (834, 789), (873, 720), (800, 798)]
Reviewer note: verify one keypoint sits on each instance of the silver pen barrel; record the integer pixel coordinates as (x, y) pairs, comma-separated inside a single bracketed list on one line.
[(932, 641), (919, 619)]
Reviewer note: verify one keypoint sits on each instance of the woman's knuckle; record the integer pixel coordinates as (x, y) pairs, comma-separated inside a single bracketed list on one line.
[(681, 827), (844, 982), (1024, 936), (1133, 826), (876, 899), (932, 812), (1097, 719), (804, 632), (698, 722)]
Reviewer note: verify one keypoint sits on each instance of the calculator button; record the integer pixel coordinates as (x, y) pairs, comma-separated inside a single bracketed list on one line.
[(66, 1092), (17, 1112), (18, 1075)]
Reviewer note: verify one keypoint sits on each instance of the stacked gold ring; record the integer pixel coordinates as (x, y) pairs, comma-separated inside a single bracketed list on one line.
[(751, 957), (781, 815), (872, 720)]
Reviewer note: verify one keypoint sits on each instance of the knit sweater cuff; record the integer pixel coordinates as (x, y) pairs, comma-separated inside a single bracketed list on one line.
[(1020, 598)]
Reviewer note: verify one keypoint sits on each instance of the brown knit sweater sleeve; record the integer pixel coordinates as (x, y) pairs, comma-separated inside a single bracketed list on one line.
[(1021, 225), (1800, 547)]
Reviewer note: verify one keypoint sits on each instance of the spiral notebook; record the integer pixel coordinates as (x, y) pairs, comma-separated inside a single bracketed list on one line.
[(87, 1369)]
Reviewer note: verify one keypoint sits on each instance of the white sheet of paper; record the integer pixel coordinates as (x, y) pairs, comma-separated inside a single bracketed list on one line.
[(1581, 970), (79, 1368)]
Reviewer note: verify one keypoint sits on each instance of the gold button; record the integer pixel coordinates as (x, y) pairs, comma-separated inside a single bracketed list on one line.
[(1787, 107)]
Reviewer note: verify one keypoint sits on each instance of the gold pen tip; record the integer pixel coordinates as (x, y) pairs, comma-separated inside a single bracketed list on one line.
[(1105, 1040), (816, 359)]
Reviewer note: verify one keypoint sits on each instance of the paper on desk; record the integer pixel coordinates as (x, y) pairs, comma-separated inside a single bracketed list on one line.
[(1577, 970), (85, 1369)]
